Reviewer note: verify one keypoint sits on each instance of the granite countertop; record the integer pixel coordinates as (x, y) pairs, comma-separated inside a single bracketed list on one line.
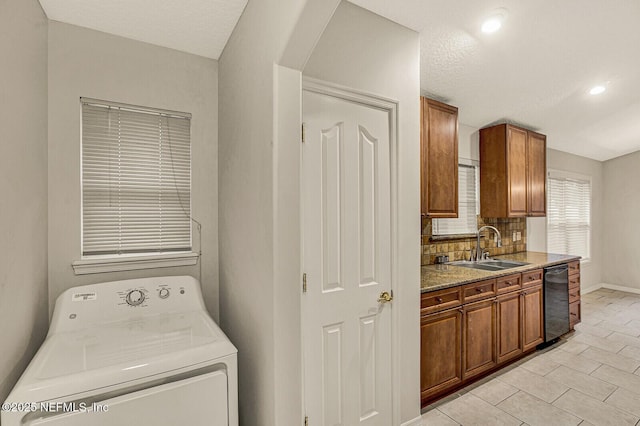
[(436, 277)]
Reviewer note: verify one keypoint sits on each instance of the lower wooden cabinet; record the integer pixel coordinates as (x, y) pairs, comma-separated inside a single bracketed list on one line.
[(495, 322), (479, 338), (574, 294), (441, 351), (509, 326), (574, 314), (533, 317)]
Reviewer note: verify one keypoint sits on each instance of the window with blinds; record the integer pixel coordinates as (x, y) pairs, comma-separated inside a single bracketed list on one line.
[(136, 180), (467, 221), (568, 214)]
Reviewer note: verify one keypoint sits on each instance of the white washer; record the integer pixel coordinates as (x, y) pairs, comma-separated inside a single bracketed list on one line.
[(135, 352)]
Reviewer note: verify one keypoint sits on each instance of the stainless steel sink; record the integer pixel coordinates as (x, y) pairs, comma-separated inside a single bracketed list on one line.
[(489, 264), (504, 264)]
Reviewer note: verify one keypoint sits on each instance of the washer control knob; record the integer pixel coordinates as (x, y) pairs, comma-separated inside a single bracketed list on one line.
[(135, 297), (163, 293)]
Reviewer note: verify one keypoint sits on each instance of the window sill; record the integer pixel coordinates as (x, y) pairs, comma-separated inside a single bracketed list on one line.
[(444, 237), (100, 265)]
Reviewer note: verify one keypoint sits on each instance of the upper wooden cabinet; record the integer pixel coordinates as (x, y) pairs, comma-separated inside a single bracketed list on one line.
[(439, 159), (537, 174), (512, 172)]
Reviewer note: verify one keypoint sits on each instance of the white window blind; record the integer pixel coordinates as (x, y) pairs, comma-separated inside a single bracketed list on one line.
[(467, 221), (568, 214), (136, 180)]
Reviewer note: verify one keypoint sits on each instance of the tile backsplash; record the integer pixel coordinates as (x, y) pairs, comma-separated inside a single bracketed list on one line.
[(457, 248)]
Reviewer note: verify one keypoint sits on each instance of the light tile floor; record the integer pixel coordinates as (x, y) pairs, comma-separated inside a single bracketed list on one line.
[(590, 377)]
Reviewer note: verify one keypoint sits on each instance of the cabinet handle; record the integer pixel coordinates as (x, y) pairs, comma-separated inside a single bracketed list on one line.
[(439, 299), (575, 315), (508, 283), (572, 295), (531, 278), (524, 293), (461, 310), (479, 290)]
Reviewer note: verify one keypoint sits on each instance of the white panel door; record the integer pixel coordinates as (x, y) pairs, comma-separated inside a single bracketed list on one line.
[(346, 227)]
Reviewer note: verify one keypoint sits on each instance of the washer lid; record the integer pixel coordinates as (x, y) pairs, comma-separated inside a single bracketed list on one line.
[(111, 353), (132, 342)]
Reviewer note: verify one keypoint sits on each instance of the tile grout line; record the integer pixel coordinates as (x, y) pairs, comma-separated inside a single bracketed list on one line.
[(560, 396), (450, 418)]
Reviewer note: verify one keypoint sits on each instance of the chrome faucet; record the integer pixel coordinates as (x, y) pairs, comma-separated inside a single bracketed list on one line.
[(479, 251)]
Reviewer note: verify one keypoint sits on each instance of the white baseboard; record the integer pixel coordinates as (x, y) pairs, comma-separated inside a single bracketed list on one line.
[(610, 287), (634, 290), (415, 422), (590, 289)]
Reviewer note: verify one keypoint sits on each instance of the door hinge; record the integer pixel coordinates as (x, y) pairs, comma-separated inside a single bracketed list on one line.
[(306, 421), (304, 282), (303, 133)]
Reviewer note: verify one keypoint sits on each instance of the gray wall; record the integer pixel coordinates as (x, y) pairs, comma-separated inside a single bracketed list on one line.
[(592, 271), (89, 63), (246, 135), (23, 186), (468, 142), (364, 51), (622, 201)]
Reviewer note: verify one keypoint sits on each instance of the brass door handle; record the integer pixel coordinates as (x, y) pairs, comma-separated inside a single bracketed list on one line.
[(385, 297)]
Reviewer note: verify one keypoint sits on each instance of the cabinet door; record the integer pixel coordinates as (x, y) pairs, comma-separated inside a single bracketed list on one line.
[(574, 294), (532, 317), (574, 314), (493, 171), (517, 171), (440, 351), (536, 174), (479, 334), (509, 326), (439, 159)]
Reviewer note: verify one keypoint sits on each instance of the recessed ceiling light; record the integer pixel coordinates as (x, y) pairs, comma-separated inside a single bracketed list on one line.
[(491, 25), (596, 90), (494, 22)]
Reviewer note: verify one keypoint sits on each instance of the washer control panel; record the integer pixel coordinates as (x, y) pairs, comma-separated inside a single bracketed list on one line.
[(96, 303), (149, 294)]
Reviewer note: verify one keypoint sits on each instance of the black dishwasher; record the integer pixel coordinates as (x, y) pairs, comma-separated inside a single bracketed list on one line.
[(556, 302)]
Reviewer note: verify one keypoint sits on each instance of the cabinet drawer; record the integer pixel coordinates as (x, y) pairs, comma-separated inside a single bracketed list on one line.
[(574, 281), (478, 291), (532, 277), (441, 299), (574, 267), (574, 313), (574, 295), (509, 283)]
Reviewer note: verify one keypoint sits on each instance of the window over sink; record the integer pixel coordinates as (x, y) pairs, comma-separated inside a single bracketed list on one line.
[(467, 220)]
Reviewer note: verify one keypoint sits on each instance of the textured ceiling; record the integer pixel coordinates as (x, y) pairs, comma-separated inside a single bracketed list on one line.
[(537, 69), (201, 27)]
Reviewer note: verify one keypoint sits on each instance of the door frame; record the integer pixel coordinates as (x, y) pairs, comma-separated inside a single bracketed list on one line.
[(389, 106)]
